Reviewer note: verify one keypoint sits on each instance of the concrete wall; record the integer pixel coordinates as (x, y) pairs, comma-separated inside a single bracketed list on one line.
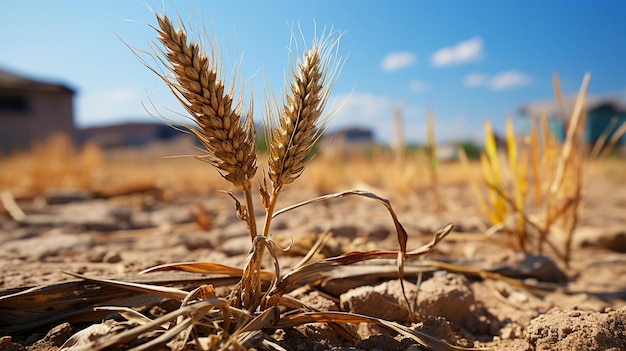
[(28, 116)]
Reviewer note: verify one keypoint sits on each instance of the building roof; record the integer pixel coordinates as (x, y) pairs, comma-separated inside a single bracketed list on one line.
[(13, 81), (552, 108), (352, 133)]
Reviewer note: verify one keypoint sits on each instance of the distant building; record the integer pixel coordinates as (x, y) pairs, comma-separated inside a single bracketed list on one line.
[(32, 110), (348, 140), (128, 134), (606, 114)]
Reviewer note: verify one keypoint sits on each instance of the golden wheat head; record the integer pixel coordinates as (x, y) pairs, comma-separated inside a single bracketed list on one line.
[(229, 139), (299, 122)]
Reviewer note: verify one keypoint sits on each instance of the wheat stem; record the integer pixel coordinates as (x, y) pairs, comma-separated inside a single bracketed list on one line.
[(247, 190), (228, 136), (298, 124)]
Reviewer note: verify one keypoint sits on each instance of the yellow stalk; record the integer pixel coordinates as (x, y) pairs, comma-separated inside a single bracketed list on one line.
[(534, 162), (494, 218), (517, 179), (498, 203)]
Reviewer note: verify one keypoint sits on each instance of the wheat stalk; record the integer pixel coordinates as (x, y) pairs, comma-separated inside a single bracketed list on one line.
[(291, 133), (229, 139), (293, 129)]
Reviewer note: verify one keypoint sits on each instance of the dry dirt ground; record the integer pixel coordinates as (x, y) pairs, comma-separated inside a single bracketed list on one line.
[(582, 307)]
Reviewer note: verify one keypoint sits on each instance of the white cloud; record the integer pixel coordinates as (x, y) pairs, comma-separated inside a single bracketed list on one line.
[(362, 108), (501, 81), (509, 79), (465, 51), (474, 79), (417, 86), (398, 60)]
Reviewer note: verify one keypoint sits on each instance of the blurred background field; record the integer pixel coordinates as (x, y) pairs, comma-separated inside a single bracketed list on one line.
[(58, 163)]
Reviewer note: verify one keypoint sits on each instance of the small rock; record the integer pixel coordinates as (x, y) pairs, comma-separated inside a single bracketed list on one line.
[(441, 328), (510, 332), (97, 215), (578, 330), (523, 265), (346, 231), (382, 301), (112, 257), (52, 243), (171, 215), (319, 302), (448, 295), (197, 240)]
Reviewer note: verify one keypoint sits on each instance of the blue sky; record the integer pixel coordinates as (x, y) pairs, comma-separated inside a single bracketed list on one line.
[(468, 60)]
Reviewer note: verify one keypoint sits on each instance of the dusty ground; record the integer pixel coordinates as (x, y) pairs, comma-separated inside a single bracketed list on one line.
[(581, 307)]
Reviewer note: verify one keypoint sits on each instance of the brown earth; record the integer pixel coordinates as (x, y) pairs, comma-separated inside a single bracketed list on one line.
[(582, 307)]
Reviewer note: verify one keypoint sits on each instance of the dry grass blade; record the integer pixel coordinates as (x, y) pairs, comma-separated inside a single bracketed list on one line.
[(315, 249), (128, 313), (163, 291), (482, 274), (570, 139), (205, 268), (7, 200), (269, 316), (300, 274), (198, 309), (534, 161), (73, 301), (564, 193), (400, 231)]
